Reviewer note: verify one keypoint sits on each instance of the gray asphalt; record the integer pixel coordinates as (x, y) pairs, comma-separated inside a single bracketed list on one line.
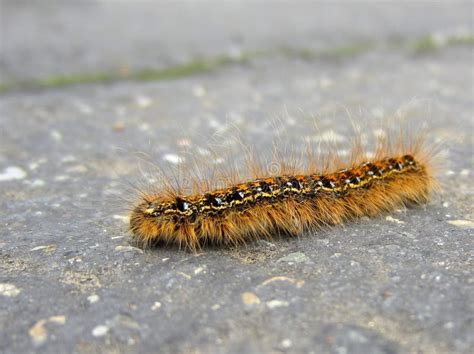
[(70, 281)]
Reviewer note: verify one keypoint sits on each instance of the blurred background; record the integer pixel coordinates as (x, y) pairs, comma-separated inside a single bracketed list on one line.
[(85, 84), (49, 39)]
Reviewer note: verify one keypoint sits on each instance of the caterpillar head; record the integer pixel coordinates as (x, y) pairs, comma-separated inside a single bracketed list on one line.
[(161, 217)]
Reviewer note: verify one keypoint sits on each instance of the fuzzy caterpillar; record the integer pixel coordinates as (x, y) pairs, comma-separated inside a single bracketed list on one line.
[(287, 203)]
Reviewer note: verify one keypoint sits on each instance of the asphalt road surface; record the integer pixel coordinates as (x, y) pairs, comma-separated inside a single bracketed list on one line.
[(86, 85)]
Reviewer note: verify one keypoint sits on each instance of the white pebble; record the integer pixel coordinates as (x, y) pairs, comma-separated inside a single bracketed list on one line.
[(173, 158), (61, 178), (68, 158), (198, 270), (325, 82), (144, 127), (277, 303), (83, 108), (392, 219), (286, 343), (156, 306), (100, 331), (199, 91), (93, 298), (143, 101), (37, 183), (56, 135), (463, 224), (12, 173), (9, 290)]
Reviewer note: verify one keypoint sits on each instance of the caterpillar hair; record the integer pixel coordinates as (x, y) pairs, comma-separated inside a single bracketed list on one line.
[(230, 209)]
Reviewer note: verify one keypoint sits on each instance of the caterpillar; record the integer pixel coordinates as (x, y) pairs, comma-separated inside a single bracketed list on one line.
[(287, 202)]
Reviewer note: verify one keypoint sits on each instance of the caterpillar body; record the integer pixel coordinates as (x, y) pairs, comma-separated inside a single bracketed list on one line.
[(287, 203)]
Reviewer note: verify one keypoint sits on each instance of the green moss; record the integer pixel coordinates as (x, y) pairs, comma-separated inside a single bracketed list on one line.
[(3, 87), (467, 39), (194, 67), (347, 51), (57, 81), (425, 45), (429, 43), (305, 53), (198, 66), (336, 53), (173, 72)]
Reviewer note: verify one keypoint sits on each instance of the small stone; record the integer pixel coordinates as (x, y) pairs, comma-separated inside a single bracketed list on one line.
[(250, 299), (37, 183), (68, 158), (325, 82), (58, 319), (198, 270), (93, 298), (156, 306), (12, 173), (33, 166), (144, 127), (38, 333), (46, 248), (118, 127), (392, 219), (100, 331), (463, 224), (9, 290), (56, 135), (187, 276), (77, 169), (296, 257), (128, 249), (448, 325), (297, 282), (61, 178), (277, 303), (83, 108), (173, 158), (286, 343), (143, 101), (199, 91)]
